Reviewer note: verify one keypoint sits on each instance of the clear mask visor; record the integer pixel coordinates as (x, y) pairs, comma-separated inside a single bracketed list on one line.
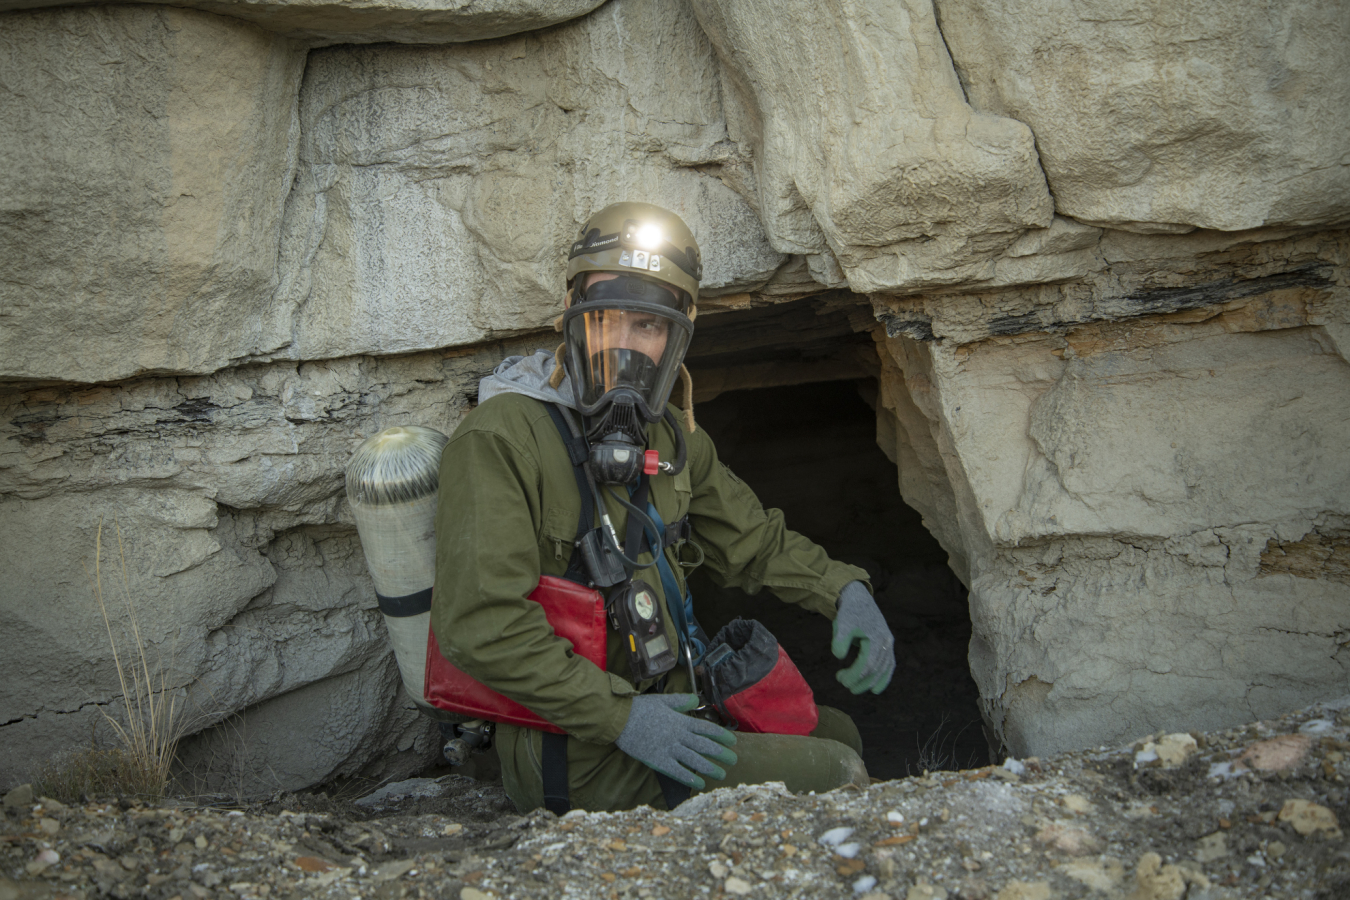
[(639, 348)]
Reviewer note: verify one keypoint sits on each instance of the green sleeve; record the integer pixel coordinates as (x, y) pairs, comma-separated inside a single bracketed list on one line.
[(750, 547), (487, 564)]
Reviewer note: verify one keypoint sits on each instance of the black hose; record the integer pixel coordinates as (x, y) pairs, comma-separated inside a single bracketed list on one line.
[(647, 524), (681, 448), (631, 564)]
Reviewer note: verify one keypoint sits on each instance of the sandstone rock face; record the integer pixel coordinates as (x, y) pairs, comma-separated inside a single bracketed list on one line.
[(437, 184), (427, 206), (1154, 118), (230, 254), (410, 21), (242, 561), (1139, 486), (865, 150), (148, 154)]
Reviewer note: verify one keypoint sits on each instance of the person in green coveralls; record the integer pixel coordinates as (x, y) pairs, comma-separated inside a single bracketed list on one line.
[(508, 514)]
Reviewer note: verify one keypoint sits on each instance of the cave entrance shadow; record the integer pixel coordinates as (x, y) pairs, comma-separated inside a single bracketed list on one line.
[(811, 451)]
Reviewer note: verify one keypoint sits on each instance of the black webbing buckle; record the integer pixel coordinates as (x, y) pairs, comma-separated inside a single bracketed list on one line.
[(678, 532)]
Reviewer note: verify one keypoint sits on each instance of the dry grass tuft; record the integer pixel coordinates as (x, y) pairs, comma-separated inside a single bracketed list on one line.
[(938, 753), (94, 771), (144, 737)]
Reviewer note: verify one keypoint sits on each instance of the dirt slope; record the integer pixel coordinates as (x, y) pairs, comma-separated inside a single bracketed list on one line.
[(1250, 812)]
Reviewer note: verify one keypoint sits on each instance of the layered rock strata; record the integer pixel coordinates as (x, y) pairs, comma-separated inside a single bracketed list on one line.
[(436, 185), (866, 154), (232, 251), (220, 503), (320, 22), (1144, 485), (149, 151), (1158, 119)]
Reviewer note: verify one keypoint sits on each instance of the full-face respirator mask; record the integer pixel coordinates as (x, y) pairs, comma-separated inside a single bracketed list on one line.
[(634, 275)]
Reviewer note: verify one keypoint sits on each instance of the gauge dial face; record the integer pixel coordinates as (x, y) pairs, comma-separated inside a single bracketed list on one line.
[(645, 604)]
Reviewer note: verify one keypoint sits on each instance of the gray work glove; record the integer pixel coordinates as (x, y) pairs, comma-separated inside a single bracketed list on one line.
[(858, 619), (659, 735)]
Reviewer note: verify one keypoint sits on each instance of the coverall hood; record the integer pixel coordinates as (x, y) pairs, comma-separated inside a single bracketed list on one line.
[(528, 375)]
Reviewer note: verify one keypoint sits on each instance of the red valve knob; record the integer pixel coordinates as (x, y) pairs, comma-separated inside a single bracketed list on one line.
[(651, 462)]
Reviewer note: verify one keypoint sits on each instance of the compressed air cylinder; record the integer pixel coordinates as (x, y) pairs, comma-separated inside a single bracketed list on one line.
[(391, 486)]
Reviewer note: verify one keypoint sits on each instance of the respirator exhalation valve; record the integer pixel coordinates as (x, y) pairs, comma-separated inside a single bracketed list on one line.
[(618, 439)]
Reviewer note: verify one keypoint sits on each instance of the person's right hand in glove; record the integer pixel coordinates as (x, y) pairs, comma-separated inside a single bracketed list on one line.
[(659, 735)]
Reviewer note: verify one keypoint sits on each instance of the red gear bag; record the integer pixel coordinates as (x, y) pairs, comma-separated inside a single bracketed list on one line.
[(577, 614), (753, 683)]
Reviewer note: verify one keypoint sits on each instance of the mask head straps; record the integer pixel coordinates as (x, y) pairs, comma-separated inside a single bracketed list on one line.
[(633, 288)]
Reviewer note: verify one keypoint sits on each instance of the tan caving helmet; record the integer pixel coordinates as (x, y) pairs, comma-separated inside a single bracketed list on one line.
[(639, 238)]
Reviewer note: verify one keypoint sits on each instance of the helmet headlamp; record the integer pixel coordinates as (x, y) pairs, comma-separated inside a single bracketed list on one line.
[(666, 251), (648, 236)]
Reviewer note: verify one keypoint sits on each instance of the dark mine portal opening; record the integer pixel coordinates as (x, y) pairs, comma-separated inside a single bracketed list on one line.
[(810, 450)]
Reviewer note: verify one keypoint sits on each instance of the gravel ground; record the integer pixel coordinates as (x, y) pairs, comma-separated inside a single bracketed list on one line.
[(1249, 812)]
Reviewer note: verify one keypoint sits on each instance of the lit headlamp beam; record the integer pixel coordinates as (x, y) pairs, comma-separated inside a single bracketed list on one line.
[(649, 237)]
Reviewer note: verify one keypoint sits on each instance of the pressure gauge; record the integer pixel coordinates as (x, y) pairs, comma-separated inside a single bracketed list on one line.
[(645, 604), (635, 613)]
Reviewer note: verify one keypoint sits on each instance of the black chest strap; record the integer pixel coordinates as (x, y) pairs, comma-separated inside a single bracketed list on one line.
[(635, 537), (577, 452), (557, 799)]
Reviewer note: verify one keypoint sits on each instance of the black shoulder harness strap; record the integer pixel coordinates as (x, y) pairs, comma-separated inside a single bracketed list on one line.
[(557, 799), (578, 452), (635, 538)]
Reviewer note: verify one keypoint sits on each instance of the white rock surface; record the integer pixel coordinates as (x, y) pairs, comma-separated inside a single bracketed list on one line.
[(406, 21), (1172, 488), (437, 184), (1167, 118), (865, 149), (148, 151), (253, 253)]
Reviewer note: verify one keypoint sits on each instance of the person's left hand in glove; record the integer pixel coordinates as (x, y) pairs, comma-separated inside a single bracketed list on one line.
[(859, 621)]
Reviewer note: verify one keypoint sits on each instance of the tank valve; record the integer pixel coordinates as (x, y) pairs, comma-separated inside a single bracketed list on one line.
[(472, 736)]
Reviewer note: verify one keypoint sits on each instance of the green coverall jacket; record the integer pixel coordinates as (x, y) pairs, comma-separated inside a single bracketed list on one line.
[(507, 515)]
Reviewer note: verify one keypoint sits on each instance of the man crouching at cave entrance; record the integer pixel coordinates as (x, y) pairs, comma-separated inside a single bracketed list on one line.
[(572, 501)]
